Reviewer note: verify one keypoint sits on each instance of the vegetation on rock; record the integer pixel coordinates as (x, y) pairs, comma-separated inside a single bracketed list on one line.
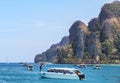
[(98, 42)]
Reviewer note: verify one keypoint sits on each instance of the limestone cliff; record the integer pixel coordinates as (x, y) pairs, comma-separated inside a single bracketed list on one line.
[(51, 55), (100, 39), (78, 32)]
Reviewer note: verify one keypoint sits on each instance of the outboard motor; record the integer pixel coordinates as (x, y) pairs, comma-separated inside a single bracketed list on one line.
[(81, 76)]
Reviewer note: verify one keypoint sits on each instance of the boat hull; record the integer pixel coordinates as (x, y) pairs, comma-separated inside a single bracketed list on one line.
[(59, 75), (97, 67)]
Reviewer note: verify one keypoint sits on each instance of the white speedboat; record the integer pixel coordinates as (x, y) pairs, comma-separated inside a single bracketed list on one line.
[(63, 73), (97, 66), (30, 67)]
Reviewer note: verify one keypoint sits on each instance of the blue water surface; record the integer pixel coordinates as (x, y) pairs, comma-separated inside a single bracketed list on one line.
[(16, 73)]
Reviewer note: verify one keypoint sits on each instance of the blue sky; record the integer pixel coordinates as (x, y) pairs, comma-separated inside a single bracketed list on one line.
[(29, 27)]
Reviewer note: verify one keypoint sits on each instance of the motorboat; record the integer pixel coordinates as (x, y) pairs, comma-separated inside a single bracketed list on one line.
[(25, 64), (81, 65), (30, 67), (97, 66), (63, 73)]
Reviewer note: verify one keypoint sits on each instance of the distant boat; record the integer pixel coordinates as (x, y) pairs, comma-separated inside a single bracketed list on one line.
[(63, 73), (30, 67), (25, 64), (97, 66), (81, 65)]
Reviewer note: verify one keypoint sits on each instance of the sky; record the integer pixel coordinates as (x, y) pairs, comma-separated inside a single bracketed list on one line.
[(30, 27)]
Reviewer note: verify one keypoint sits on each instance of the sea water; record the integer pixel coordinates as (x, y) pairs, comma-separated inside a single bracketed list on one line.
[(16, 73)]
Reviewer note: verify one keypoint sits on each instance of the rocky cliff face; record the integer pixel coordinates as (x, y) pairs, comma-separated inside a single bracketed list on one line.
[(52, 54), (101, 38), (110, 28), (110, 10), (92, 39), (78, 32)]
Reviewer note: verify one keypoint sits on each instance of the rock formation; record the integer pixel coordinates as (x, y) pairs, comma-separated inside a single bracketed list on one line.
[(78, 32), (51, 55), (101, 38)]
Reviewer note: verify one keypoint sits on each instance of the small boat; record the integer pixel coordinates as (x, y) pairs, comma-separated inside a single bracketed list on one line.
[(81, 65), (25, 64), (30, 67), (63, 73), (97, 66)]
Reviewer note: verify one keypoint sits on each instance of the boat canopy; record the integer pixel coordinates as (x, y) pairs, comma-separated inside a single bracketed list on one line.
[(64, 70)]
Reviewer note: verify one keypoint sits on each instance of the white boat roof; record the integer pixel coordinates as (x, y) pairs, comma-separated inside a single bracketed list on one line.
[(70, 69)]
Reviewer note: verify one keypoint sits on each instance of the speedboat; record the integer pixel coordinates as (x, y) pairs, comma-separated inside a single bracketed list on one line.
[(30, 67), (97, 66), (63, 73), (81, 65)]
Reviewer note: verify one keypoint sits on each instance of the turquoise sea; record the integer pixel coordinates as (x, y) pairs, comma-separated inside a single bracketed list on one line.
[(16, 73)]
